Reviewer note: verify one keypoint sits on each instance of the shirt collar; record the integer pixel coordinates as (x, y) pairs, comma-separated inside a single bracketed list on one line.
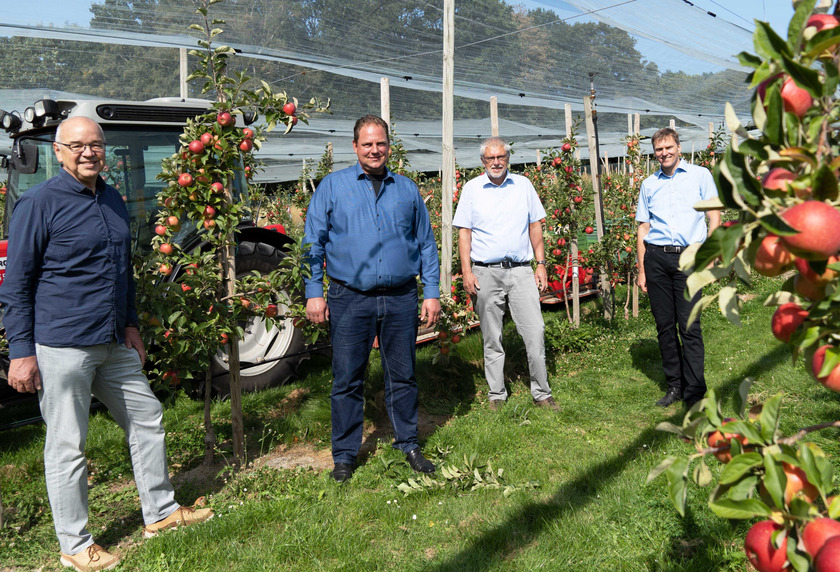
[(78, 186), (681, 166), (360, 173), (489, 183)]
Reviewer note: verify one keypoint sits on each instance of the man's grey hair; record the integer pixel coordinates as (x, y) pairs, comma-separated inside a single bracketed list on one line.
[(493, 142)]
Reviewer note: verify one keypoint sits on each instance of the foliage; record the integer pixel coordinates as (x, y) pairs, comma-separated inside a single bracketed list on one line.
[(795, 107), (562, 336), (185, 310)]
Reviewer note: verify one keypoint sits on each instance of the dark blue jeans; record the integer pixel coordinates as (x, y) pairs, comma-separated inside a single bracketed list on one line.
[(683, 358), (356, 318)]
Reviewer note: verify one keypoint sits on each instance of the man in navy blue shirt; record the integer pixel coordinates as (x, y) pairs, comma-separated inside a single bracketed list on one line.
[(668, 224), (71, 323), (372, 228)]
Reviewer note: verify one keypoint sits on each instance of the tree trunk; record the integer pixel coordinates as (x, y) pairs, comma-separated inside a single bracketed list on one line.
[(209, 432)]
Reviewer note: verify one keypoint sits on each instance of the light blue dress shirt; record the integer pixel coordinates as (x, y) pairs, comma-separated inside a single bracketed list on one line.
[(667, 203), (370, 241), (499, 217)]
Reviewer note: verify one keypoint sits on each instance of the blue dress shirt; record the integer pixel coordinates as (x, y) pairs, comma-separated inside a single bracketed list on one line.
[(69, 279), (499, 217), (667, 203), (370, 241)]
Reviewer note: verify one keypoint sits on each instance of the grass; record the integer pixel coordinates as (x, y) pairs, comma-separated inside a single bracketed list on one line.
[(571, 496)]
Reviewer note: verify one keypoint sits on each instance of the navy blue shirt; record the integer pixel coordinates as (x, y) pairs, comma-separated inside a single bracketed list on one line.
[(69, 279), (370, 240)]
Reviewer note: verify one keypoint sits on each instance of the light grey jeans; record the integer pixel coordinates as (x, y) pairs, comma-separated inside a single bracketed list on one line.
[(113, 373), (516, 288)]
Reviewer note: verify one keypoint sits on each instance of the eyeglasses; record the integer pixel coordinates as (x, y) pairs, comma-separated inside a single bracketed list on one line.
[(495, 159), (77, 148)]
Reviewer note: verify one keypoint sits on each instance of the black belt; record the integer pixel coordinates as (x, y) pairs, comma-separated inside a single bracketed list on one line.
[(502, 264), (402, 287), (670, 248)]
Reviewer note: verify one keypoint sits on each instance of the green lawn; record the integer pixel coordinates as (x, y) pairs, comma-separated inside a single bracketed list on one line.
[(571, 495)]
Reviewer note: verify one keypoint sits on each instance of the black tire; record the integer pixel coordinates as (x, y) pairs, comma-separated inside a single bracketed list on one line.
[(260, 347)]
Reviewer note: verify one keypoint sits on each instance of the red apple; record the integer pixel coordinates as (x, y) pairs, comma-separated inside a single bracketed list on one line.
[(811, 275), (578, 200), (186, 288), (828, 559), (796, 482), (173, 221), (196, 147), (822, 22), (588, 230), (289, 108), (171, 376), (818, 224), (566, 147), (786, 319), (271, 310), (209, 212), (185, 179), (817, 532), (758, 544), (165, 248), (248, 133), (295, 121), (832, 380), (796, 100), (160, 230), (209, 223), (808, 290), (557, 161), (224, 119), (223, 338), (246, 303), (778, 179), (218, 187), (206, 139), (717, 439), (246, 145), (772, 257), (165, 269)]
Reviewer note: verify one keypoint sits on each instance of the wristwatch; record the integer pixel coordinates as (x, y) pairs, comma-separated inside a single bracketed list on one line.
[(541, 262)]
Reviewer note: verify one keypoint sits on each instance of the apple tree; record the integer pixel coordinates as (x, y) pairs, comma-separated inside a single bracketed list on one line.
[(192, 302), (784, 186)]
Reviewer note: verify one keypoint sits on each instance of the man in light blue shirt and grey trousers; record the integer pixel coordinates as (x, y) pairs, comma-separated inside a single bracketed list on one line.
[(668, 224), (499, 220)]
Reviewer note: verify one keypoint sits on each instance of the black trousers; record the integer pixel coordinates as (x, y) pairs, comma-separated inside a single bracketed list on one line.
[(682, 359)]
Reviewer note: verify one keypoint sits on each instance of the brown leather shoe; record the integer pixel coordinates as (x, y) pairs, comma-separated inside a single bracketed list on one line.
[(549, 403), (92, 558), (496, 404), (184, 516)]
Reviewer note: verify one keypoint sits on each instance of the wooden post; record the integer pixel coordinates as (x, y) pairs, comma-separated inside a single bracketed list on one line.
[(330, 155), (692, 152), (594, 164), (494, 116), (447, 147), (183, 72), (539, 157), (573, 240), (673, 124), (633, 283), (385, 100)]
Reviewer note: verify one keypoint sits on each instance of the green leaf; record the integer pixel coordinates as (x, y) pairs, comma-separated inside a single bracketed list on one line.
[(775, 224), (726, 190), (749, 60), (824, 184), (797, 23), (744, 488), (728, 303), (702, 474), (677, 483), (746, 429), (774, 480), (670, 428), (834, 508), (770, 417), (738, 467), (196, 27), (739, 509), (701, 305), (768, 44), (774, 126), (733, 123)]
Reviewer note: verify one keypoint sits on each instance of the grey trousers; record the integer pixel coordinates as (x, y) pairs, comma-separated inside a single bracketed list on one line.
[(113, 373), (516, 288)]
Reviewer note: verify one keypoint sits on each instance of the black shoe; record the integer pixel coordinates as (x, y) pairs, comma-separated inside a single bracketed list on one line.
[(418, 462), (342, 472), (671, 396)]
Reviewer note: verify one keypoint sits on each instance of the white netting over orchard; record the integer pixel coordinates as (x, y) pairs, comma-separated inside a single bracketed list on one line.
[(533, 59)]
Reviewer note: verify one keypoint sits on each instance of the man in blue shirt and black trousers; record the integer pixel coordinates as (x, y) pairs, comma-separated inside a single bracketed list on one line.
[(668, 224), (72, 329), (372, 228)]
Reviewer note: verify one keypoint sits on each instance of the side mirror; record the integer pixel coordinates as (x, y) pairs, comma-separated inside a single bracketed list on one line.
[(25, 156)]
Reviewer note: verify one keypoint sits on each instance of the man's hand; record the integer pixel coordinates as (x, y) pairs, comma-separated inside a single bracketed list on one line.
[(133, 340), (430, 311), (471, 283), (317, 311), (541, 277), (642, 281), (24, 375)]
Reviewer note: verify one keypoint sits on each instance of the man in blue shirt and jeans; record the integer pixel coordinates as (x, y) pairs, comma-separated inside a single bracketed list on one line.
[(668, 224), (372, 228), (72, 329)]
